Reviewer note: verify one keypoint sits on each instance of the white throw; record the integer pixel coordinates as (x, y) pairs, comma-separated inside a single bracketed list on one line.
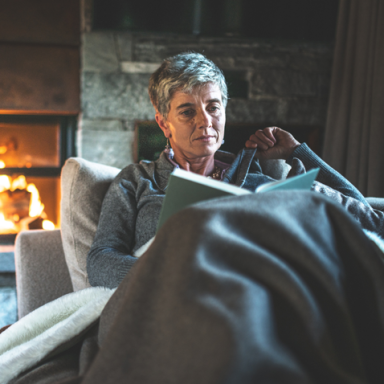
[(34, 336)]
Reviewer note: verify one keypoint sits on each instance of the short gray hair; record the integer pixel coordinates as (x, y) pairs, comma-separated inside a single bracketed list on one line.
[(183, 73)]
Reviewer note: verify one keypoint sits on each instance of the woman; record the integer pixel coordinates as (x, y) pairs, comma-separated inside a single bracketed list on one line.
[(189, 95)]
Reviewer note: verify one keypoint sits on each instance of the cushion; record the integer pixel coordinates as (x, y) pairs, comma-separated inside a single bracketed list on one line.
[(83, 187)]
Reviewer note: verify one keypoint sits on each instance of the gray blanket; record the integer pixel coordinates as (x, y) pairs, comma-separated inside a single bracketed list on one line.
[(281, 287)]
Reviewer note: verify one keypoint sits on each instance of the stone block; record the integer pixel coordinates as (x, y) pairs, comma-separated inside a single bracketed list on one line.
[(125, 46), (101, 125), (99, 52), (150, 51), (305, 111), (310, 62), (253, 111), (116, 96), (279, 82), (280, 111), (256, 61), (106, 147), (138, 67)]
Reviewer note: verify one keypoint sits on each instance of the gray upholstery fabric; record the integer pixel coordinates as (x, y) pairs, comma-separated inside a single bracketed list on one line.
[(41, 271), (83, 186)]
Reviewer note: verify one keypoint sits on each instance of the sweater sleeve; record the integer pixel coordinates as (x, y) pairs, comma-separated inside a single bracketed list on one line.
[(109, 258), (327, 175)]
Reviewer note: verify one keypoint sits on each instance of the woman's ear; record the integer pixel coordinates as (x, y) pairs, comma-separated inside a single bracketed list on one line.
[(162, 124)]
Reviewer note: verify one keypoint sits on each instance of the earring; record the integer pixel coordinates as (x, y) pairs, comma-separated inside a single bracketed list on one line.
[(222, 142), (168, 150)]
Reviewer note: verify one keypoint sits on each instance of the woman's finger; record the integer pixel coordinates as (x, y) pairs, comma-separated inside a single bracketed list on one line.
[(264, 139), (250, 144), (259, 143), (253, 138), (259, 140), (269, 132)]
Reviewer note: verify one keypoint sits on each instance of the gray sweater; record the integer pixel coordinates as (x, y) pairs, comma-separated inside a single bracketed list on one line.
[(133, 202)]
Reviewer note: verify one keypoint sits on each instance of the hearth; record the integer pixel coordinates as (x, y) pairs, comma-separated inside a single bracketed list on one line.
[(32, 152)]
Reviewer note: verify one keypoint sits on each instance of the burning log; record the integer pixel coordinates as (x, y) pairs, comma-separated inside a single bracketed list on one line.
[(20, 206), (15, 204)]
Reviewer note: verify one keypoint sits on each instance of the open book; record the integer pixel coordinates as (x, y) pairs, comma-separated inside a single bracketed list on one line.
[(187, 188)]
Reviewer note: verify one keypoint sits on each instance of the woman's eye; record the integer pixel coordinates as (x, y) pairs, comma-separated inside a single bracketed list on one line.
[(187, 112)]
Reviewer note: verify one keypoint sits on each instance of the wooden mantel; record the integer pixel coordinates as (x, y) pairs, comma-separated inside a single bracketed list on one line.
[(39, 57)]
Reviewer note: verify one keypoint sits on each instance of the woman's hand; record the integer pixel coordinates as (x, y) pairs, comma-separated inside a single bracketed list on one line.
[(272, 143)]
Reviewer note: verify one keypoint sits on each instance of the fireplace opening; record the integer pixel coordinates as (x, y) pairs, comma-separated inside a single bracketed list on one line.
[(32, 151)]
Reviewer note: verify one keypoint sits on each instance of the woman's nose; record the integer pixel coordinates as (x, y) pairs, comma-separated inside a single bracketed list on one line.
[(204, 119)]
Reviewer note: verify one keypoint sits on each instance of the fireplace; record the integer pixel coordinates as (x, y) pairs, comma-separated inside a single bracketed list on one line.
[(32, 151)]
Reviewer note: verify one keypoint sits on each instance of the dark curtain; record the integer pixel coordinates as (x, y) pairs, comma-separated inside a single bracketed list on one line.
[(354, 137)]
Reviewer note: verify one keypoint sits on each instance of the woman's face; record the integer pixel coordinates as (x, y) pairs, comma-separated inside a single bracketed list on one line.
[(195, 122)]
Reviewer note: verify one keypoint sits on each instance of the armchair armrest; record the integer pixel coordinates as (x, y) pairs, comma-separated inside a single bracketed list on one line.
[(41, 271)]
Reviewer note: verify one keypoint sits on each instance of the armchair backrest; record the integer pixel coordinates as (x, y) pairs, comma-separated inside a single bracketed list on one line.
[(83, 187)]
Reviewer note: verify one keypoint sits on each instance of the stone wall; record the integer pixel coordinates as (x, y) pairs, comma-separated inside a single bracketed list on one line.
[(285, 83)]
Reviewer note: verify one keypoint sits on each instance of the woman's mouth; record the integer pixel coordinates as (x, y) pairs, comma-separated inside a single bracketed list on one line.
[(205, 138)]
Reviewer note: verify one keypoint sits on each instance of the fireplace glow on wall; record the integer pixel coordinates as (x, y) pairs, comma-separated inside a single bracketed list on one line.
[(32, 152)]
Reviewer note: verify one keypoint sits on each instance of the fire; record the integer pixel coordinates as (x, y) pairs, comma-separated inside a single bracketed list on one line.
[(19, 183), (5, 183), (2, 164), (35, 206), (15, 195), (6, 226), (48, 225)]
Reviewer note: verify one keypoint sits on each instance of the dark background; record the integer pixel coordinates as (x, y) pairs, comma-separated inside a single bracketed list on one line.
[(313, 20)]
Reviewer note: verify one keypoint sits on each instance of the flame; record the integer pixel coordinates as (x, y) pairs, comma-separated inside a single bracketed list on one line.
[(35, 206), (5, 183), (2, 164), (3, 149), (19, 183), (48, 225), (6, 226)]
